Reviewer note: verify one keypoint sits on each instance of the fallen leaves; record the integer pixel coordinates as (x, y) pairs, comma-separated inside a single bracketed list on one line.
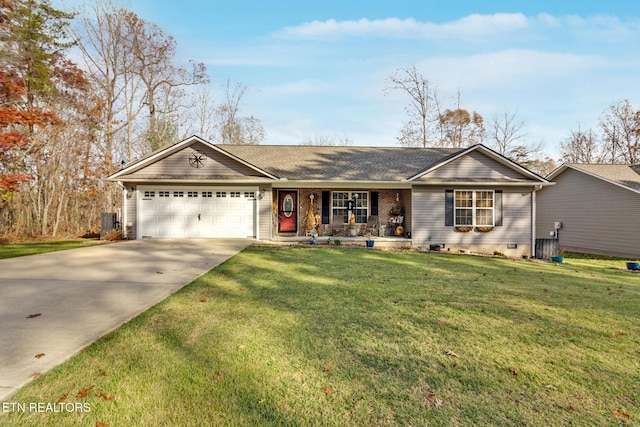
[(35, 375), (621, 414), (31, 316), (101, 424), (107, 396), (327, 390), (329, 367), (513, 372), (84, 392), (618, 334), (451, 353), (39, 355)]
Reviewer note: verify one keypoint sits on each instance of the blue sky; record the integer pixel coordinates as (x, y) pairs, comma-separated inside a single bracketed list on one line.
[(318, 69)]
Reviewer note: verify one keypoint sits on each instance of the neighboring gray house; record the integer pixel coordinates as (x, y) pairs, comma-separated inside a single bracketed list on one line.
[(598, 206), (471, 198)]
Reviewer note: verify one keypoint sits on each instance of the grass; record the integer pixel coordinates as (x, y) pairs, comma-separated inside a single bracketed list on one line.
[(343, 336), (32, 248)]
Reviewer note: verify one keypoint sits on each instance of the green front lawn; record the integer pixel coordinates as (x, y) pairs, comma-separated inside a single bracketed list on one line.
[(33, 248), (357, 337)]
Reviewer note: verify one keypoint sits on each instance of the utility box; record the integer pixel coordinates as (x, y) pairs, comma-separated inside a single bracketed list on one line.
[(108, 223)]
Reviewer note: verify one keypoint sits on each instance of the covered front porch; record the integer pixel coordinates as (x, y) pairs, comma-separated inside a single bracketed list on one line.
[(350, 215)]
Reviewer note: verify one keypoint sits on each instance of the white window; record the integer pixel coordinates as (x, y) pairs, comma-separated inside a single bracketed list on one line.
[(149, 194), (249, 194), (474, 208), (163, 193), (207, 194), (192, 194), (221, 194), (178, 194), (358, 201), (234, 194)]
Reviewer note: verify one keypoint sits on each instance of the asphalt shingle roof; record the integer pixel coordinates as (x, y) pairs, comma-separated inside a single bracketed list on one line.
[(627, 175), (338, 163)]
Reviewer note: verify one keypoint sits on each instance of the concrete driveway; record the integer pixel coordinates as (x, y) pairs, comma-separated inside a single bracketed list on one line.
[(81, 294)]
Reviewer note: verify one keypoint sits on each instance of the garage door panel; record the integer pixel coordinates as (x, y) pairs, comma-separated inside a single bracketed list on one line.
[(196, 213)]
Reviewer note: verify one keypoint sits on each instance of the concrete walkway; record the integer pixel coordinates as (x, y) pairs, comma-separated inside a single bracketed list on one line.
[(82, 294)]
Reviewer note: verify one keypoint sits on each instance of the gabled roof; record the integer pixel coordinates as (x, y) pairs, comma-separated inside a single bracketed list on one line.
[(490, 153), (169, 149), (625, 176), (334, 163)]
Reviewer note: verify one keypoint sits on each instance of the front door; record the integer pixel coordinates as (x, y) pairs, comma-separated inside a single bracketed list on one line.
[(287, 212)]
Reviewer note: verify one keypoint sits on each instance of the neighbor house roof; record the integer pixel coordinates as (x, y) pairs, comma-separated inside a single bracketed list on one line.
[(627, 176)]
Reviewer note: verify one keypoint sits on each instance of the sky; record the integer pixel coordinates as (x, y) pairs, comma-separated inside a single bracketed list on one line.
[(318, 69)]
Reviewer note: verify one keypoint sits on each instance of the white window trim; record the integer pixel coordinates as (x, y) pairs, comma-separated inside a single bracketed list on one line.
[(350, 197), (474, 208)]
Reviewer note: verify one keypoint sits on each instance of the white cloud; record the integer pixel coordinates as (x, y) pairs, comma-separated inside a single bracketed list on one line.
[(469, 26)]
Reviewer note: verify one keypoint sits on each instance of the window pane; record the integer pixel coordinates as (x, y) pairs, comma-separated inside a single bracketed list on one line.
[(484, 217), (362, 204), (464, 216), (464, 199), (484, 199), (339, 203)]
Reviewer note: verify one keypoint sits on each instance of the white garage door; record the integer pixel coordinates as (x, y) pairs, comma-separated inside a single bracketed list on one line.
[(196, 212)]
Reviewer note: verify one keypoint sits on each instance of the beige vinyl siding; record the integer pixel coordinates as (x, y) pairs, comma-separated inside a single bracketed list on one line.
[(474, 165), (265, 214), (429, 219), (177, 164), (130, 214), (596, 216)]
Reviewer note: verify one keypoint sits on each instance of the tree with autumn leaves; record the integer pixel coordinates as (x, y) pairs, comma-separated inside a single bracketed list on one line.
[(34, 77)]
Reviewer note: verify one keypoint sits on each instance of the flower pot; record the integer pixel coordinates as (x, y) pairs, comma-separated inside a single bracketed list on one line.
[(557, 259), (633, 266), (370, 243), (353, 232)]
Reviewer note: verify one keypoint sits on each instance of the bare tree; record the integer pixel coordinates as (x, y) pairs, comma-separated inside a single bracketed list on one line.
[(231, 128), (415, 132), (506, 135), (621, 133), (108, 60), (582, 146), (505, 131), (154, 53)]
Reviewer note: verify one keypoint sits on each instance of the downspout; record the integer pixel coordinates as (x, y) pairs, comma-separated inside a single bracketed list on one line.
[(533, 220)]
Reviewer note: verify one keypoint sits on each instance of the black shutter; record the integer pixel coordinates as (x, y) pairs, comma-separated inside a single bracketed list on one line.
[(326, 206), (448, 208), (374, 203), (498, 207)]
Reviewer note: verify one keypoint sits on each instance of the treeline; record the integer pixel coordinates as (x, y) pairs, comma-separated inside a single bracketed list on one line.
[(65, 125)]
